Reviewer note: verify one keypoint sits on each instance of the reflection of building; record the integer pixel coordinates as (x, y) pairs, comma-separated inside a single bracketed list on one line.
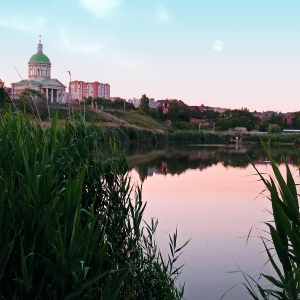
[(81, 89), (164, 167), (202, 167), (39, 79)]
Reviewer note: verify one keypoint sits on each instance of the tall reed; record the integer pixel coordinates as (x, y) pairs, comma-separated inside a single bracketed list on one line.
[(70, 228), (283, 246)]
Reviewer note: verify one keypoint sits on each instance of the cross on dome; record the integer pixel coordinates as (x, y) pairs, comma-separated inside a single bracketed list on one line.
[(40, 46)]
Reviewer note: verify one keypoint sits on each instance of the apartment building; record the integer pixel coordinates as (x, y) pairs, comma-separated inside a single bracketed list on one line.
[(79, 90)]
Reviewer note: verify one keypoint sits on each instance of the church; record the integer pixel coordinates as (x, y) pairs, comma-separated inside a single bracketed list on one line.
[(39, 79)]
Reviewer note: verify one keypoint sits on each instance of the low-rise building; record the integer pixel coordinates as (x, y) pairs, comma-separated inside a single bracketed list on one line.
[(163, 105), (218, 109), (240, 130)]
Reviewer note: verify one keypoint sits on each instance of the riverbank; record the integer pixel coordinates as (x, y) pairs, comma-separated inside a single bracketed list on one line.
[(137, 127)]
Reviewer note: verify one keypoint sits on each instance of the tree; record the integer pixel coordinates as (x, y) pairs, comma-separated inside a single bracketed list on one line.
[(210, 114), (160, 115), (178, 111), (223, 124), (4, 98), (274, 128), (144, 104), (276, 119), (240, 118), (32, 95), (296, 120)]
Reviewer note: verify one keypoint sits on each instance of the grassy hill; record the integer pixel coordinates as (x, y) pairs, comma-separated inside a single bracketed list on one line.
[(138, 119), (109, 117)]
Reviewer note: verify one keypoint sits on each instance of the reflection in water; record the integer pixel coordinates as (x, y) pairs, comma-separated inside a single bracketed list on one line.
[(210, 200), (175, 160)]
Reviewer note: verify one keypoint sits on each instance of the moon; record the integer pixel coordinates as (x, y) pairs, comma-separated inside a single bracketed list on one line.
[(218, 46)]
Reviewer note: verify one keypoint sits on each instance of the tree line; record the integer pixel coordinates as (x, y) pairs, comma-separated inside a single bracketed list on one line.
[(180, 115)]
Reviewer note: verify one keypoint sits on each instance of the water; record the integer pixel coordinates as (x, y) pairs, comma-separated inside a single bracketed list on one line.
[(213, 197)]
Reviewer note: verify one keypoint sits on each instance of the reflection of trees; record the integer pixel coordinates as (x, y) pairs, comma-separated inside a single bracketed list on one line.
[(175, 160)]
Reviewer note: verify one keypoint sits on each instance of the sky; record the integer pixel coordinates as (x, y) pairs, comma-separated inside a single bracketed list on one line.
[(220, 53)]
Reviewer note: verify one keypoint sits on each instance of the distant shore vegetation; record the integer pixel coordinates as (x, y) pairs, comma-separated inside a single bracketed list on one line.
[(179, 123)]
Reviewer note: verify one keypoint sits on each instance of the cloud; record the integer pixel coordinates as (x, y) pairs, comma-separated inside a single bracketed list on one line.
[(78, 45), (163, 14), (101, 8), (24, 24)]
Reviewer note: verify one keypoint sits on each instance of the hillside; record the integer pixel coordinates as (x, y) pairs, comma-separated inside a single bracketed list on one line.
[(135, 118), (108, 117)]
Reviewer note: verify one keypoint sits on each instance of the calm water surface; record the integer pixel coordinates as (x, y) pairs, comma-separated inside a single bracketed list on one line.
[(212, 195)]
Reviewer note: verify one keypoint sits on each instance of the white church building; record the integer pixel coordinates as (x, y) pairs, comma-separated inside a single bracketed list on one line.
[(39, 79)]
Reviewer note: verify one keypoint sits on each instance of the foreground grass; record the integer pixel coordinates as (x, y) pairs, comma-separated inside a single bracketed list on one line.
[(71, 227)]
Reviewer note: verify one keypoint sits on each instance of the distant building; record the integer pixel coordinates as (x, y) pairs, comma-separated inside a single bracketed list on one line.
[(264, 116), (8, 91), (163, 105), (135, 101), (113, 99), (218, 109), (200, 108), (194, 120), (291, 131), (240, 129), (152, 103), (81, 89), (39, 79), (288, 118)]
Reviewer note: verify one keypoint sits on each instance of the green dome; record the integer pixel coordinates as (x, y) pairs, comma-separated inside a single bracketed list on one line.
[(39, 58)]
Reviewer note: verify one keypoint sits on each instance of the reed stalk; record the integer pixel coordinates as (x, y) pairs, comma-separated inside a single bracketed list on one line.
[(70, 228), (283, 245)]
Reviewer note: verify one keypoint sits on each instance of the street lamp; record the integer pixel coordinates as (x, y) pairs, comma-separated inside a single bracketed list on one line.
[(70, 94)]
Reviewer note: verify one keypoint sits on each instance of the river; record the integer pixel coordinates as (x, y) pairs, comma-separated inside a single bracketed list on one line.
[(212, 195)]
